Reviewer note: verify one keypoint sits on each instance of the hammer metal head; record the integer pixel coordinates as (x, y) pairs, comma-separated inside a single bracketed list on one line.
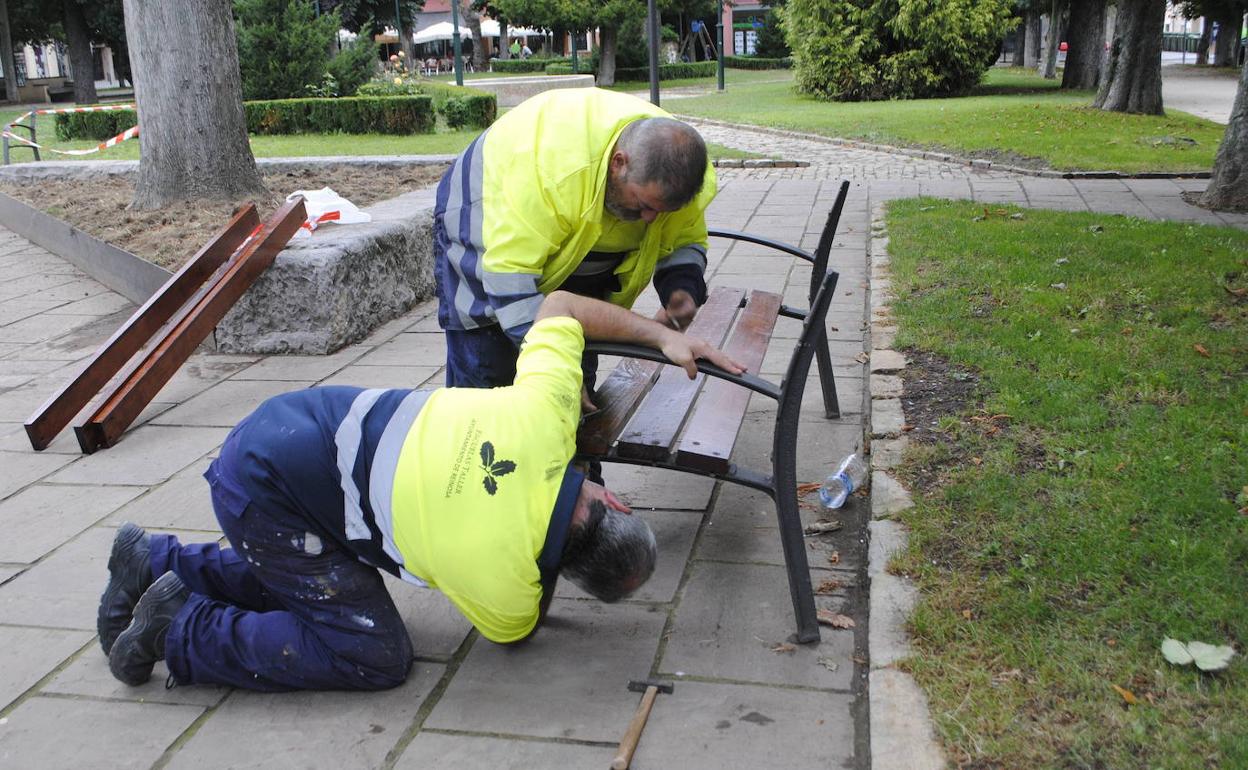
[(640, 685)]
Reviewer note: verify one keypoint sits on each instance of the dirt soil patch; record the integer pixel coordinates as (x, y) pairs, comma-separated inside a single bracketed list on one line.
[(169, 237), (933, 389)]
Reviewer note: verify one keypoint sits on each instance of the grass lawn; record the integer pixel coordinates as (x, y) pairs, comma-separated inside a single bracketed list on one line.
[(302, 145), (1094, 500), (1014, 116)]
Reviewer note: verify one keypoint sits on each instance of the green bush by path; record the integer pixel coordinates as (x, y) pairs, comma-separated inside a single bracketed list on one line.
[(1090, 499), (99, 126), (1014, 117), (758, 63), (532, 64), (460, 106), (282, 46), (856, 50), (699, 69), (348, 115), (354, 65)]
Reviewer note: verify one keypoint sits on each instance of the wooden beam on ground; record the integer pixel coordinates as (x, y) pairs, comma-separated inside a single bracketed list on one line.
[(651, 431), (716, 418), (111, 419), (65, 404)]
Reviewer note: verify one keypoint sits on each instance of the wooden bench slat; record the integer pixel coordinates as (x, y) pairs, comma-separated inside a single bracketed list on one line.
[(619, 394), (716, 418), (652, 430)]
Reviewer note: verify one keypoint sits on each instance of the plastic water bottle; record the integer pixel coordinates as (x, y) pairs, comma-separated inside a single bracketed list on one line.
[(850, 476)]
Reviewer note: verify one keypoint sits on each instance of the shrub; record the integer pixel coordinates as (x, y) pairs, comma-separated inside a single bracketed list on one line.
[(349, 115), (757, 63), (354, 65), (771, 43), (474, 108), (564, 67), (94, 125), (892, 49), (520, 65), (700, 69), (282, 46)]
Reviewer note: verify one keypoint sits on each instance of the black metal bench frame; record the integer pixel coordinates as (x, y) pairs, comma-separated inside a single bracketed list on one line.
[(781, 484)]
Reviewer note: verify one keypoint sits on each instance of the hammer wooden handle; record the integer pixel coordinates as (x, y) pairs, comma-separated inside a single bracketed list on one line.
[(624, 757)]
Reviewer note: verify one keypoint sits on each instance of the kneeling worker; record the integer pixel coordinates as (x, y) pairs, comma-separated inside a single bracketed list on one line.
[(465, 490)]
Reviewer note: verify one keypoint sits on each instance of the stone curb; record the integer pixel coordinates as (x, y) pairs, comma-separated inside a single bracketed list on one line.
[(902, 734), (758, 163), (977, 164), (91, 168)]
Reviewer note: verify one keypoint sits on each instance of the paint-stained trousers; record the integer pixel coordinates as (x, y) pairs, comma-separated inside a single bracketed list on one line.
[(287, 608)]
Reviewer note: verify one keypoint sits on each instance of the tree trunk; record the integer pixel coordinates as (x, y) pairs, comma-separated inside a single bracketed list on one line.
[(1202, 45), (473, 21), (6, 53), (1087, 45), (407, 47), (504, 50), (1228, 189), (193, 138), (79, 53), (1132, 79), (606, 61), (1052, 39), (1020, 46), (1228, 36), (1031, 54)]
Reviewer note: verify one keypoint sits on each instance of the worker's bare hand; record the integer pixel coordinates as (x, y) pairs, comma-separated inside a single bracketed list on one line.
[(679, 311), (587, 404), (684, 351)]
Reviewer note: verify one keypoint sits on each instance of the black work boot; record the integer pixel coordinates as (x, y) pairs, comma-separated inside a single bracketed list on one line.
[(129, 575), (143, 642)]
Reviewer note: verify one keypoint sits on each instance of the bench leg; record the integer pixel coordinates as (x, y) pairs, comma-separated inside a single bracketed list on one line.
[(791, 537), (827, 381)]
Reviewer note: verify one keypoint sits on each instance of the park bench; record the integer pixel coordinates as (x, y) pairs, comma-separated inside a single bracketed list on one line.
[(654, 415)]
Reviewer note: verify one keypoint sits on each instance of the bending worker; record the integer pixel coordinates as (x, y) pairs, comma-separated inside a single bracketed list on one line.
[(581, 189), (468, 491)]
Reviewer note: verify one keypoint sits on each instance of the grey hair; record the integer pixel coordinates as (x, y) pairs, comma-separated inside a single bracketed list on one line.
[(668, 152), (611, 555)]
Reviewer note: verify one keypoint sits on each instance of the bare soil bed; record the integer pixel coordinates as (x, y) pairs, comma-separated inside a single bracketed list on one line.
[(169, 237)]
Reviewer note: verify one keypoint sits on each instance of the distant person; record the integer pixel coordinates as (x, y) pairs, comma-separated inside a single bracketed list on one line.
[(525, 51), (514, 48), (590, 191)]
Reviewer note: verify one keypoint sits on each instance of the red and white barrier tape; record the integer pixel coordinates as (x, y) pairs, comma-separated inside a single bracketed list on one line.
[(328, 216), (129, 133)]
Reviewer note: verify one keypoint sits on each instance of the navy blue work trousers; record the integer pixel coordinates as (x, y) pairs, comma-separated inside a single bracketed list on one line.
[(287, 608)]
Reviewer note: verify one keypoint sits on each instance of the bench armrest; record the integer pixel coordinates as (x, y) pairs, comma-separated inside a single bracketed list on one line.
[(745, 380), (768, 242)]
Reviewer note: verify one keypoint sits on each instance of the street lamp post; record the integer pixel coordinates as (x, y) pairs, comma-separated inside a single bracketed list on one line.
[(719, 46), (652, 25), (455, 44)]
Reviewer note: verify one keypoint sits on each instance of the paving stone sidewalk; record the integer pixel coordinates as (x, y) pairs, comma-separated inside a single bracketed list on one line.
[(714, 618)]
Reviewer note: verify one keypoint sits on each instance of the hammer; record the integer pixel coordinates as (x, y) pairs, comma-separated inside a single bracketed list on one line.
[(650, 688)]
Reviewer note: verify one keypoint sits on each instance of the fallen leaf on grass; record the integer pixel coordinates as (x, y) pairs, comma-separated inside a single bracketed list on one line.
[(1006, 676), (1127, 332), (834, 557), (1126, 694), (820, 527), (1236, 292), (1207, 657), (836, 620), (966, 614), (1201, 349), (1118, 468), (977, 461), (784, 648), (827, 587)]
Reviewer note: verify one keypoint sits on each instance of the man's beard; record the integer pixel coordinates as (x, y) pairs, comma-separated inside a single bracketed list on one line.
[(611, 201)]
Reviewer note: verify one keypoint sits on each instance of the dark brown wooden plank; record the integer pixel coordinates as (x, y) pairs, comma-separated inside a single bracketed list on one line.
[(57, 411), (618, 396), (111, 419), (652, 429), (716, 418)]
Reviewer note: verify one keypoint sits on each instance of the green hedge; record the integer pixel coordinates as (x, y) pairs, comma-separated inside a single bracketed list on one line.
[(564, 67), (520, 65), (623, 74), (348, 115), (757, 63), (94, 125), (461, 106)]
